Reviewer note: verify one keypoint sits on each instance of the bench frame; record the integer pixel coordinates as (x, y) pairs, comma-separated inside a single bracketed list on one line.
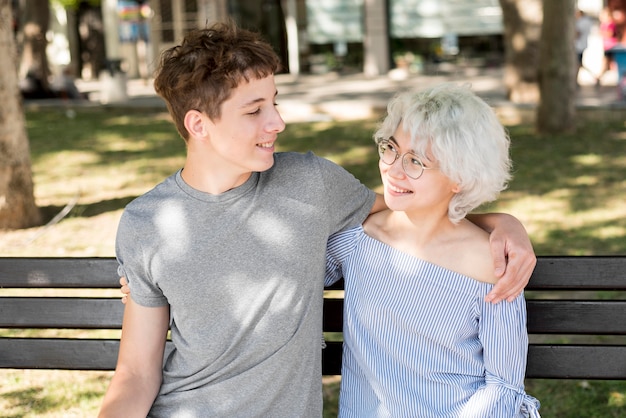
[(546, 315)]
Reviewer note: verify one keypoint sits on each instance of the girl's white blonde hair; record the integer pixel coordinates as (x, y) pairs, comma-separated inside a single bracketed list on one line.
[(462, 133)]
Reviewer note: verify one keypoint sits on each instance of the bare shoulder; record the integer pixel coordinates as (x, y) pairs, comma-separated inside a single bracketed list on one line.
[(474, 255), (376, 225)]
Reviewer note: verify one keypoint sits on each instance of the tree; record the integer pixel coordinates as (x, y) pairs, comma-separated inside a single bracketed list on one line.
[(522, 30), (557, 68), (17, 200)]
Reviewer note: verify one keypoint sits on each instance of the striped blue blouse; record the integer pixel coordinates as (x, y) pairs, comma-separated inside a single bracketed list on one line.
[(419, 340)]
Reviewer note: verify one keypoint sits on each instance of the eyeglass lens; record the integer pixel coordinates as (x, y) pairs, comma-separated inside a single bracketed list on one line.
[(410, 163)]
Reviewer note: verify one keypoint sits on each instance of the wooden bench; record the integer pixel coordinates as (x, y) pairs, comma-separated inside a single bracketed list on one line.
[(555, 306)]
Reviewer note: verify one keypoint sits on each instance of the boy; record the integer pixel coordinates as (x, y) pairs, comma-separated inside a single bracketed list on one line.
[(230, 251)]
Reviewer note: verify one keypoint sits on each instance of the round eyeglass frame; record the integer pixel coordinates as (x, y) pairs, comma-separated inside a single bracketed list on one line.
[(408, 159)]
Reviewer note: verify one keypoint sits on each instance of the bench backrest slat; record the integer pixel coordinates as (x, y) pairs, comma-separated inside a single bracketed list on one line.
[(69, 312), (61, 353), (576, 317), (81, 273), (576, 362), (58, 353), (579, 273)]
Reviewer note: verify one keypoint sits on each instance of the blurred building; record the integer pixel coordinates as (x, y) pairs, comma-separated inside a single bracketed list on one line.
[(318, 35), (372, 36)]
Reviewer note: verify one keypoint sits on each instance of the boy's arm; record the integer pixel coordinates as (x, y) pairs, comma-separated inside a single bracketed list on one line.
[(138, 373), (513, 255), (379, 204)]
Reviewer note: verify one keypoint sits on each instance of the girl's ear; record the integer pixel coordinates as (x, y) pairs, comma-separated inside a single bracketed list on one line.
[(195, 123)]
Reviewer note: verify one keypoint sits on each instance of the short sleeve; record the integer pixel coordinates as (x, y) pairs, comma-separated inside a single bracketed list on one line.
[(131, 264), (339, 248), (347, 199)]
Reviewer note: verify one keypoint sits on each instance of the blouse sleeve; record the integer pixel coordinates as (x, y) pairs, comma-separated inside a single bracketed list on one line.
[(338, 248), (502, 331)]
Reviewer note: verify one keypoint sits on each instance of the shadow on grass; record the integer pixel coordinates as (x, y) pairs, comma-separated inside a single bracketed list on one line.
[(586, 163), (579, 398), (87, 210), (115, 135)]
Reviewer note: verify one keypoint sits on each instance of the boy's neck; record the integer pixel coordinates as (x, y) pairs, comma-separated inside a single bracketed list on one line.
[(212, 180)]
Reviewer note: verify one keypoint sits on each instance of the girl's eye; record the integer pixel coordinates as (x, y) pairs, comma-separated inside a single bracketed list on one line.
[(256, 112), (416, 162)]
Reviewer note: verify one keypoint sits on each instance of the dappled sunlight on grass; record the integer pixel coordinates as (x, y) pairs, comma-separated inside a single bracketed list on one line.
[(28, 393), (558, 229), (617, 399), (100, 155), (353, 156)]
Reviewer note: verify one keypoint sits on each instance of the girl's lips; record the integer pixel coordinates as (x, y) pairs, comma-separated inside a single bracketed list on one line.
[(397, 190)]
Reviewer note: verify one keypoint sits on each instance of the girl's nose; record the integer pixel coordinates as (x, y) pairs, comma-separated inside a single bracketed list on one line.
[(396, 170)]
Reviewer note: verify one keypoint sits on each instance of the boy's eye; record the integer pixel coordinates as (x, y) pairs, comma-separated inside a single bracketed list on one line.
[(256, 112)]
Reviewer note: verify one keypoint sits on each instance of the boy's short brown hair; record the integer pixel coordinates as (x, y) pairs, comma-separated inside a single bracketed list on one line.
[(201, 73)]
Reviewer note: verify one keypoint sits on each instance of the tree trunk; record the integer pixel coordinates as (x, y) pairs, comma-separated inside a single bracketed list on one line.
[(522, 31), (557, 68), (91, 38), (17, 200), (34, 22)]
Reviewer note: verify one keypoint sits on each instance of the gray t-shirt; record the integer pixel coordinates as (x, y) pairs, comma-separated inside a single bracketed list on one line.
[(243, 273)]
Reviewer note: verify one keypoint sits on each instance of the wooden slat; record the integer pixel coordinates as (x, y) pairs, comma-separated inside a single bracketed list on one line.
[(333, 315), (53, 272), (544, 361), (331, 358), (576, 362), (336, 286), (608, 272), (57, 353), (61, 353), (544, 316), (592, 317), (579, 273), (61, 312)]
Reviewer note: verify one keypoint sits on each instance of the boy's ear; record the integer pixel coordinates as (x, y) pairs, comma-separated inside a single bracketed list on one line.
[(195, 123)]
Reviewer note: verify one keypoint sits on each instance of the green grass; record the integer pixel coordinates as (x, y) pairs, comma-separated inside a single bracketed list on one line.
[(568, 190)]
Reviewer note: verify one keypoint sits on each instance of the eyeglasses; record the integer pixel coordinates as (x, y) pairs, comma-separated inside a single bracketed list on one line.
[(411, 164)]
